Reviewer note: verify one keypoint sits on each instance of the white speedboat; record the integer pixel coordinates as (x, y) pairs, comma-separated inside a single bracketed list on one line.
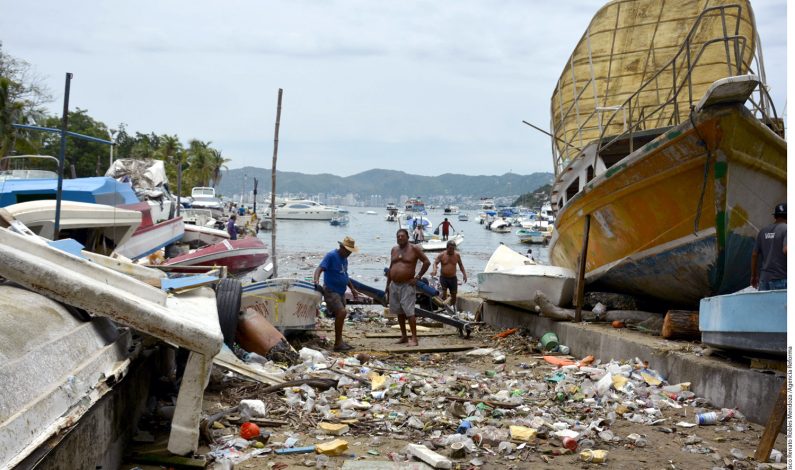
[(500, 226), (304, 209), (513, 279), (288, 304), (435, 243), (463, 217)]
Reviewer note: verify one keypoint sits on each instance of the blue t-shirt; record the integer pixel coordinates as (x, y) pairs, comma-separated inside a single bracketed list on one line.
[(335, 272)]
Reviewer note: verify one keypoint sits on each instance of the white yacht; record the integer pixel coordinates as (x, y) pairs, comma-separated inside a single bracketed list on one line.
[(303, 209), (203, 197)]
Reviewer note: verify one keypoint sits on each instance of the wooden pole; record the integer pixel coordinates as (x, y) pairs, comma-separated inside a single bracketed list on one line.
[(681, 324), (774, 422), (273, 182), (581, 270)]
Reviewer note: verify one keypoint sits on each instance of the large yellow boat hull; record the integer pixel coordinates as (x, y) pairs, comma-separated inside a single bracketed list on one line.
[(676, 219)]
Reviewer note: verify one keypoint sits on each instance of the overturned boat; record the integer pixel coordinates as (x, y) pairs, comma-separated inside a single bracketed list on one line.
[(512, 278), (288, 304), (239, 256), (667, 150)]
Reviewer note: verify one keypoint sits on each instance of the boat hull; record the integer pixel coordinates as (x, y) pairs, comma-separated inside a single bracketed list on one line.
[(288, 304), (238, 256), (199, 235), (148, 239), (518, 286), (725, 322), (437, 244), (647, 235)]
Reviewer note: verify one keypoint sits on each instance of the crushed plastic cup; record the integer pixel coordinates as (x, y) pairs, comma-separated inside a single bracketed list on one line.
[(593, 456)]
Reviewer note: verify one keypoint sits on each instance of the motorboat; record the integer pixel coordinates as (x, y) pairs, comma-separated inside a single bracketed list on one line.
[(500, 225), (62, 366), (201, 235), (527, 235), (392, 214), (371, 213), (339, 220), (451, 210), (512, 278), (200, 217), (725, 322), (99, 228), (436, 243), (239, 256), (303, 209), (672, 166), (415, 206), (150, 236), (288, 304), (462, 217), (203, 197)]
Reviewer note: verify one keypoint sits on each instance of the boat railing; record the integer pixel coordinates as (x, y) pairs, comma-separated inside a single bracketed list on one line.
[(654, 116), (678, 71)]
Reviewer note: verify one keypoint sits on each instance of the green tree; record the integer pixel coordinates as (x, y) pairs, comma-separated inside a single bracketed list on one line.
[(84, 158), (217, 162), (22, 100), (201, 168)]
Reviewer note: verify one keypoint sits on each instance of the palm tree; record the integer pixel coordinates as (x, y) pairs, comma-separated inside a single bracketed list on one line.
[(199, 157), (217, 162)]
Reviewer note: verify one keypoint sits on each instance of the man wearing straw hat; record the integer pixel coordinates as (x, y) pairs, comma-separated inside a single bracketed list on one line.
[(335, 279)]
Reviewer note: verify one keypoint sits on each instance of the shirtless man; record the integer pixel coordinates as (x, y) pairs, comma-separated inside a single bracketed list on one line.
[(401, 280), (449, 280)]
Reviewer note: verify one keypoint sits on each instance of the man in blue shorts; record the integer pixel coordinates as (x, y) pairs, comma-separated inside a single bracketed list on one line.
[(335, 279)]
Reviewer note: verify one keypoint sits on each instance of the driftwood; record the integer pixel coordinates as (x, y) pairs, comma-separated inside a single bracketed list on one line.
[(681, 324), (550, 310)]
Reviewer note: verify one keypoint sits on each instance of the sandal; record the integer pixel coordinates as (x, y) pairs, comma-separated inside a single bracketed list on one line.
[(343, 347)]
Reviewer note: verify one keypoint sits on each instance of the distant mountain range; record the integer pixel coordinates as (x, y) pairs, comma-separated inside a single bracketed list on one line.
[(387, 183)]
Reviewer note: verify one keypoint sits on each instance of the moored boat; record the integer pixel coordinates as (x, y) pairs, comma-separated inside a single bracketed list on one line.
[(435, 243), (675, 183)]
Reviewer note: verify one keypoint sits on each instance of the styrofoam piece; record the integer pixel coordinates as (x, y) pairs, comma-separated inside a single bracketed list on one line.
[(430, 457)]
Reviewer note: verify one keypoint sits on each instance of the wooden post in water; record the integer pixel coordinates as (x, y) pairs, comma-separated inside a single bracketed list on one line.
[(273, 182), (581, 270)]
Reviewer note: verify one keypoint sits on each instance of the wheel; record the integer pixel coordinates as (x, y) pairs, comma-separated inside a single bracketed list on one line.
[(227, 300)]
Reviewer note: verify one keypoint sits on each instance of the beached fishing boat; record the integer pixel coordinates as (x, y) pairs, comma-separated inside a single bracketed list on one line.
[(656, 152), (512, 278), (288, 304), (239, 256)]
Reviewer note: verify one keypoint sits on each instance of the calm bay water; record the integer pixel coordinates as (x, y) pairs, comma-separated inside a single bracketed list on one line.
[(301, 244)]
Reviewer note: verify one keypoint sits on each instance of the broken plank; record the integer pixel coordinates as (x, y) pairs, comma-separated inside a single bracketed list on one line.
[(399, 348), (168, 460), (396, 334), (228, 360)]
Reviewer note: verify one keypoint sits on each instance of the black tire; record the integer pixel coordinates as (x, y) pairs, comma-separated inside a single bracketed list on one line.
[(228, 293)]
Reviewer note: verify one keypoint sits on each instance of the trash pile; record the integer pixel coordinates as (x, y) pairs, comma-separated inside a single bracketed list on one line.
[(468, 409)]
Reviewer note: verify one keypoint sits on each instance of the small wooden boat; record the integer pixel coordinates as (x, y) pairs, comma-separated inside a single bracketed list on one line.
[(288, 304), (746, 321), (513, 279), (239, 256)]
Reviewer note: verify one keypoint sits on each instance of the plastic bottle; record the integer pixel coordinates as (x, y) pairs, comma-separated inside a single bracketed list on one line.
[(706, 419)]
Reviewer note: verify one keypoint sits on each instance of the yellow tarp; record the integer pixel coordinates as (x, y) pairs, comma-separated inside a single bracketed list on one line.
[(625, 45)]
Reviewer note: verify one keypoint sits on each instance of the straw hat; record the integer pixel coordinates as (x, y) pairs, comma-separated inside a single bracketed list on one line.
[(349, 244)]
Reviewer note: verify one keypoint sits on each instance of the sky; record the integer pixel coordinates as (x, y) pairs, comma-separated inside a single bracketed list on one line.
[(425, 87)]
